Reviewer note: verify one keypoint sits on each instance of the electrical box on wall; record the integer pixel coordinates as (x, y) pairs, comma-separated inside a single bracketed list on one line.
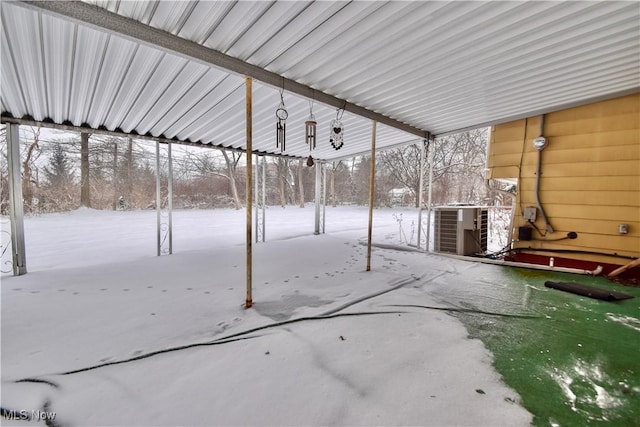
[(529, 213), (524, 233)]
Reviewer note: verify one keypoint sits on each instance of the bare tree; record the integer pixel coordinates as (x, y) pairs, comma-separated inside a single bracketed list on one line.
[(231, 162), (129, 164), (29, 169), (283, 171), (117, 172), (332, 182), (341, 183), (207, 163), (300, 184), (116, 189), (360, 177), (209, 178), (459, 163), (403, 165)]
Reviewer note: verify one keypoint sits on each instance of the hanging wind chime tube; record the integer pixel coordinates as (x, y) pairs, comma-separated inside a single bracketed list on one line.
[(281, 124), (310, 129), (336, 131)]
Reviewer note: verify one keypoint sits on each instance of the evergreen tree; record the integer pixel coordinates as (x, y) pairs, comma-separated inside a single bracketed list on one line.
[(59, 172)]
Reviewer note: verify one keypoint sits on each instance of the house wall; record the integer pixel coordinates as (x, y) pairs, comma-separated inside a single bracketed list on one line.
[(590, 180)]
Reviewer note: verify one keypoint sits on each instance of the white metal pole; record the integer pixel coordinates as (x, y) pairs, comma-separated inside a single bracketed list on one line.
[(16, 205), (420, 185), (170, 198), (264, 198), (257, 193), (158, 201), (317, 197), (324, 196), (260, 198)]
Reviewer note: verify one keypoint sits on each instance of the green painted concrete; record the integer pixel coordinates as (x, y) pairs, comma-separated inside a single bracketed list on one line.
[(575, 361)]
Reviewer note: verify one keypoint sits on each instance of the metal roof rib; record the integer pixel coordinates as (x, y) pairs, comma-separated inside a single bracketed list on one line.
[(142, 33)]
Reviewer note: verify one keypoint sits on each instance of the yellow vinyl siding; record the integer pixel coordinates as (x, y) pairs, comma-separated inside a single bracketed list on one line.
[(592, 124), (585, 226), (624, 214), (586, 198), (622, 168), (599, 140), (586, 183), (503, 172), (585, 156), (590, 181), (590, 242), (507, 159)]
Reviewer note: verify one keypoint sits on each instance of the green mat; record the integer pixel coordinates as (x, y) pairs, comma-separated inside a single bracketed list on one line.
[(574, 360)]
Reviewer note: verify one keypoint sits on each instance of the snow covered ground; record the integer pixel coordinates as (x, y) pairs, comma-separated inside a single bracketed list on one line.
[(103, 332)]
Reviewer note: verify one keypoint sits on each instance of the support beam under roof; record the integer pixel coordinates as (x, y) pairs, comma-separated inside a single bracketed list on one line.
[(7, 119), (131, 29)]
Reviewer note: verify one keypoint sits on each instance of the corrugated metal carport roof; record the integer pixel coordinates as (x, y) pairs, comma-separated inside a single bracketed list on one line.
[(175, 70)]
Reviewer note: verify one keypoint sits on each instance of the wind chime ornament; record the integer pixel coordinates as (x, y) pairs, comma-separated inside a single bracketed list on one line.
[(281, 125), (337, 131), (310, 129)]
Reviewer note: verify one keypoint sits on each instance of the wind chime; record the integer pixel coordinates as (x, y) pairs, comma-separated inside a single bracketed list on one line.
[(310, 133), (337, 131), (281, 125), (310, 129)]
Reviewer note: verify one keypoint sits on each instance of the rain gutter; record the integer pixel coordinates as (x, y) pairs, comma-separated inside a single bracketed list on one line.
[(8, 119)]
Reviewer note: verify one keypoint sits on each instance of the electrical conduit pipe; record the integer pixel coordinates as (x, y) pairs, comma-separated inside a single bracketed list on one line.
[(540, 147), (595, 272)]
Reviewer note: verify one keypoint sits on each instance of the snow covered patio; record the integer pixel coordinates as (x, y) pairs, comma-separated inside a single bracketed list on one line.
[(110, 334)]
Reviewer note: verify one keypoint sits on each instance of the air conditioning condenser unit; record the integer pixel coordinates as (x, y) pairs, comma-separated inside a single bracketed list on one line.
[(461, 230)]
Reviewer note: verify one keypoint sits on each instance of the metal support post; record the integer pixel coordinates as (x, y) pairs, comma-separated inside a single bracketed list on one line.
[(16, 207), (317, 198), (260, 197), (430, 150), (170, 196), (249, 189), (420, 185), (256, 183), (164, 210), (320, 197), (264, 197), (372, 179), (324, 196)]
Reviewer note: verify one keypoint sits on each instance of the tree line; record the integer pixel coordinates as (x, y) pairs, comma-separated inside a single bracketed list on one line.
[(63, 171)]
